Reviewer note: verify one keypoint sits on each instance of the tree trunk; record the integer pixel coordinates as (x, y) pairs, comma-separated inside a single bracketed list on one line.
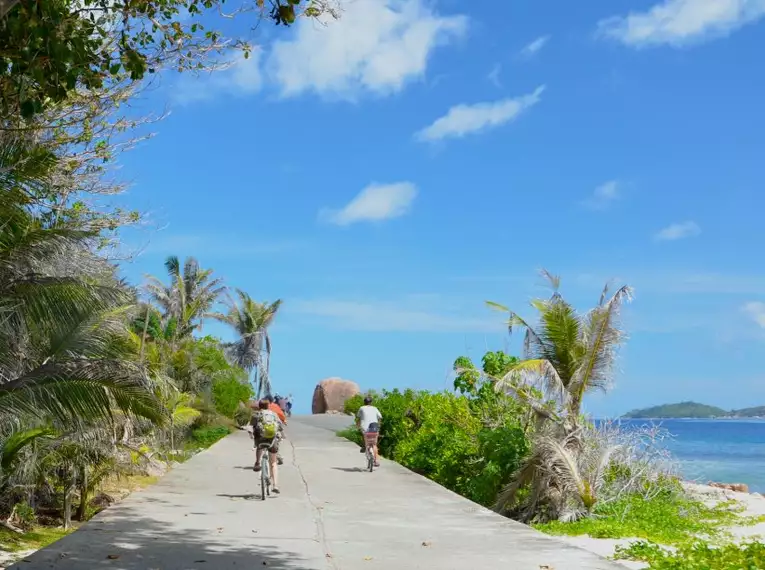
[(82, 509), (172, 434), (68, 492)]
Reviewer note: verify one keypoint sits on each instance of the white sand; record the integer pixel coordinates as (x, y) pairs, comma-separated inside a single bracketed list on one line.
[(754, 506)]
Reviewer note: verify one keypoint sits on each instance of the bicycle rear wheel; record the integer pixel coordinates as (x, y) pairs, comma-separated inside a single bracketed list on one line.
[(370, 460), (263, 479)]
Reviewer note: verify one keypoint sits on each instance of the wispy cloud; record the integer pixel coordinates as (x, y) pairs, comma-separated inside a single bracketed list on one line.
[(375, 46), (464, 119), (756, 311), (680, 22), (604, 195), (680, 230), (493, 75), (534, 47), (402, 315), (374, 203)]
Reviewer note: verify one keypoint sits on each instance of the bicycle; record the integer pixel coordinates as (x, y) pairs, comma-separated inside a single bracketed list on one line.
[(370, 442), (265, 469)]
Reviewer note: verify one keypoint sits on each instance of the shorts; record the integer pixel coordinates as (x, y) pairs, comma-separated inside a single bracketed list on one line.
[(263, 441), (374, 427)]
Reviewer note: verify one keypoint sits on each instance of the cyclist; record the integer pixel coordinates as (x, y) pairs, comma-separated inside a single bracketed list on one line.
[(282, 418), (266, 426), (368, 420)]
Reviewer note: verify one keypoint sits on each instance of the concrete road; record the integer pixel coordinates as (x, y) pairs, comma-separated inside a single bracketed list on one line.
[(332, 515)]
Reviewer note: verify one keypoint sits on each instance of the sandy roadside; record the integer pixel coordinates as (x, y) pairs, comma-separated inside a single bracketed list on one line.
[(754, 505)]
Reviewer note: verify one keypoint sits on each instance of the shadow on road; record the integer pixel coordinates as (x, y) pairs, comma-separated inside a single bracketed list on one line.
[(135, 542), (350, 469)]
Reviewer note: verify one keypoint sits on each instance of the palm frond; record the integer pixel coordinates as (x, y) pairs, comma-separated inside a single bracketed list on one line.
[(82, 390)]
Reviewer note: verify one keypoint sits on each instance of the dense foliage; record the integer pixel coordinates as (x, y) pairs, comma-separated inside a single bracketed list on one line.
[(468, 443), (51, 49), (95, 384), (697, 556)]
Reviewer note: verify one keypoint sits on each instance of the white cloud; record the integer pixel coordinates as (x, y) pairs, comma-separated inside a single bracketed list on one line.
[(604, 195), (756, 311), (464, 119), (376, 202), (680, 230), (403, 315), (240, 77), (376, 46), (680, 22), (534, 47)]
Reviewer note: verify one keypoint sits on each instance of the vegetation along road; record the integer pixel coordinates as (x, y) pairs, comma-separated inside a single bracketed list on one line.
[(207, 513)]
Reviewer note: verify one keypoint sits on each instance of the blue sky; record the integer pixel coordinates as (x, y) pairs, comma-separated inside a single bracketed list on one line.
[(387, 173)]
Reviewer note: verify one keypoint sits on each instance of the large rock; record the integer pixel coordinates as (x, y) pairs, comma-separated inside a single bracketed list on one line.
[(738, 487), (331, 394)]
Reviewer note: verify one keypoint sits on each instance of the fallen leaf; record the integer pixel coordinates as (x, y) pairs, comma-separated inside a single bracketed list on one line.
[(199, 561), (113, 556), (426, 543), (367, 558)]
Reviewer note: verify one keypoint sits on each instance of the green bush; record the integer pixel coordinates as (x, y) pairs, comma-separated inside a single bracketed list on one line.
[(229, 391), (243, 415), (469, 444), (208, 435), (670, 517), (697, 556), (353, 404)]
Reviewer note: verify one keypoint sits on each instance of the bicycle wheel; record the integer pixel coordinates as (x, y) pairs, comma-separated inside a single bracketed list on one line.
[(263, 479), (370, 460)]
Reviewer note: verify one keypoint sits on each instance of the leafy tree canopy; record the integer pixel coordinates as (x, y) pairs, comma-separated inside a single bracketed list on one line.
[(50, 48)]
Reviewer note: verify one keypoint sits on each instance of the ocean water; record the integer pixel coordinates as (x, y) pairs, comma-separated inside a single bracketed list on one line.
[(728, 451)]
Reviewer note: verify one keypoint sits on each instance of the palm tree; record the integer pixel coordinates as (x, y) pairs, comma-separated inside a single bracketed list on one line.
[(569, 354), (251, 321), (65, 350), (188, 298)]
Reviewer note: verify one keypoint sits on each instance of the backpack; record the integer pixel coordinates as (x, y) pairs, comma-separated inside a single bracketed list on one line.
[(266, 424)]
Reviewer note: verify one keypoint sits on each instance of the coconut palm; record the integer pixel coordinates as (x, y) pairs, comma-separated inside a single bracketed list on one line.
[(188, 298), (252, 351), (64, 347), (568, 354)]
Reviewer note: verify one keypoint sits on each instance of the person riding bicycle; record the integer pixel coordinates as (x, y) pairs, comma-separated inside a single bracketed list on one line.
[(368, 421), (266, 427), (280, 414)]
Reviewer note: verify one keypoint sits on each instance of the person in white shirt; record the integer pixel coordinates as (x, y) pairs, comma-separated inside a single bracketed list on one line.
[(368, 421)]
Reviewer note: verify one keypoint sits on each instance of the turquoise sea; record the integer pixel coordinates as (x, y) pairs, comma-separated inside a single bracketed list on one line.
[(729, 451)]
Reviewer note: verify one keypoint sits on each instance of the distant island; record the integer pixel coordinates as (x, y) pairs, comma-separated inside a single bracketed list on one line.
[(694, 410)]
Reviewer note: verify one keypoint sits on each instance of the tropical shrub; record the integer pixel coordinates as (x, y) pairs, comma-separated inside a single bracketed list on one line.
[(229, 392), (208, 435), (470, 445), (697, 556)]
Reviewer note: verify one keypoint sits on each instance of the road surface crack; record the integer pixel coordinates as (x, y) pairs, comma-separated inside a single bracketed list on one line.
[(318, 515)]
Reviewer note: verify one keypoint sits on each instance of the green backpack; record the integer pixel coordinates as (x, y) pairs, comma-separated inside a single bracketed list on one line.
[(266, 424)]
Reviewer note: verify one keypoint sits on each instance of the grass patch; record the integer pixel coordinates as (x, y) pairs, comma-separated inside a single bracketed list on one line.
[(351, 434), (697, 556), (208, 435), (38, 537), (124, 485), (671, 518)]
